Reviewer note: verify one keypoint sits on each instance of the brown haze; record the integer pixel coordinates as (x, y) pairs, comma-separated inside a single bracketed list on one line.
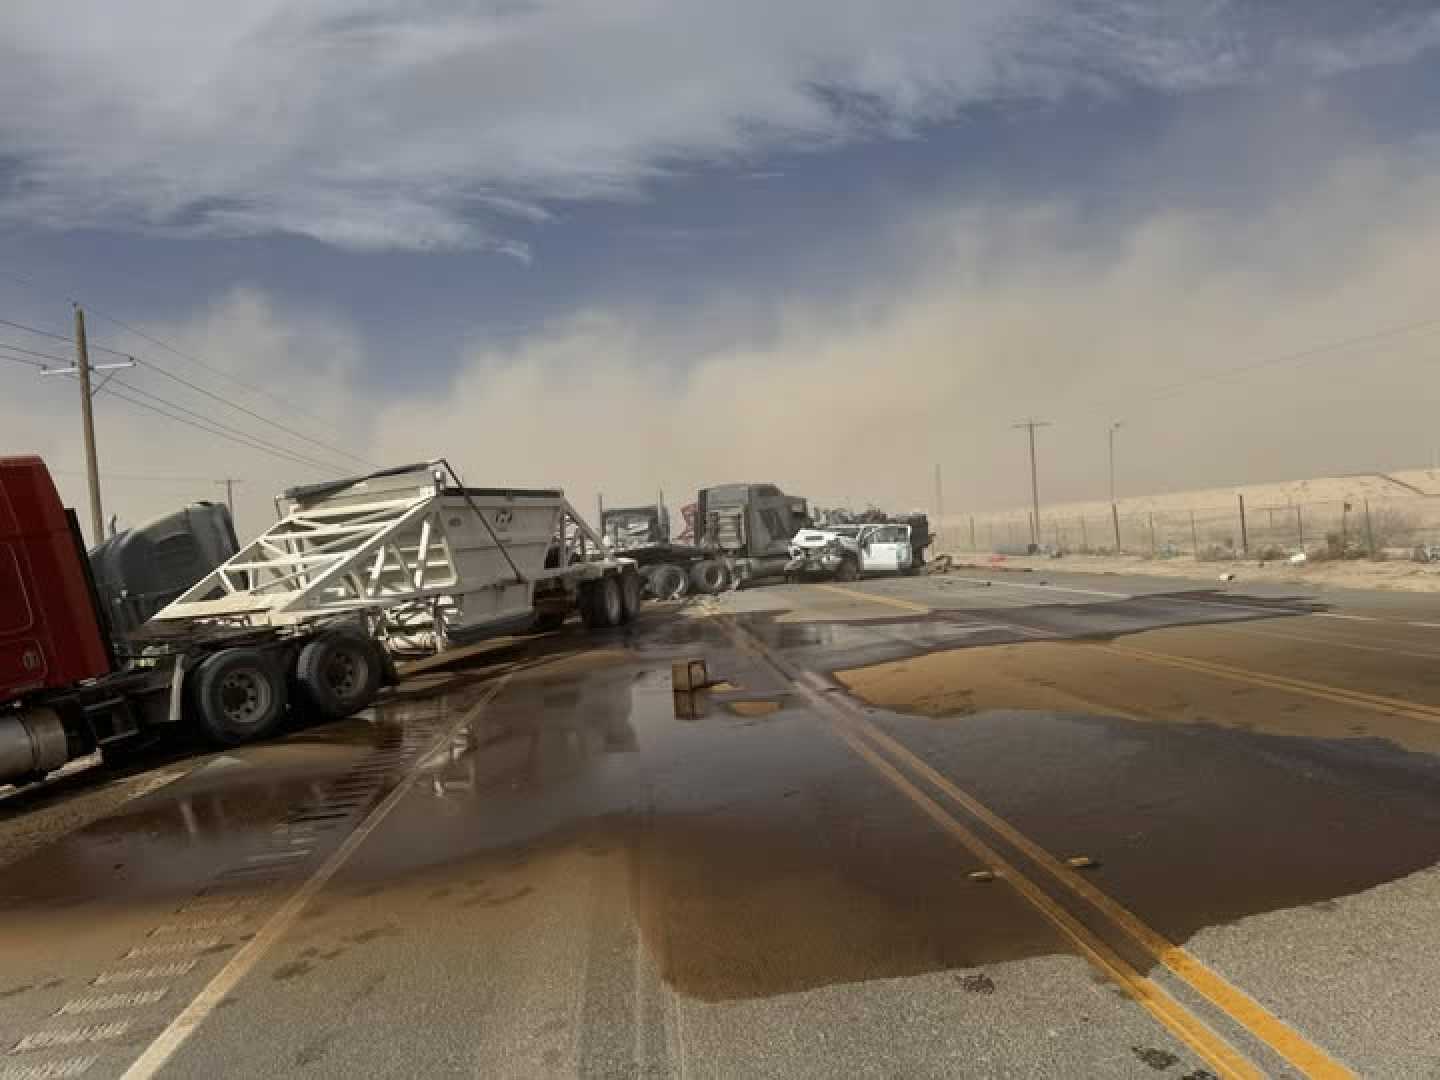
[(1002, 310)]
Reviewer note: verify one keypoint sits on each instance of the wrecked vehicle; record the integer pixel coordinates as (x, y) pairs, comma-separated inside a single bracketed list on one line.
[(845, 552)]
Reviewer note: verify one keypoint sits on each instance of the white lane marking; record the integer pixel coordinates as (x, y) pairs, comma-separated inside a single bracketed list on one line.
[(208, 1000), (106, 1002), (1352, 618), (48, 1070), (159, 971), (48, 1040), (189, 925), (157, 781), (277, 856), (171, 948), (1426, 625)]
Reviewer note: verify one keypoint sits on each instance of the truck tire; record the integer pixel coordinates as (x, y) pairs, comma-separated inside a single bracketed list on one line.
[(339, 672), (601, 603), (848, 570), (668, 582), (630, 589), (240, 696), (709, 576)]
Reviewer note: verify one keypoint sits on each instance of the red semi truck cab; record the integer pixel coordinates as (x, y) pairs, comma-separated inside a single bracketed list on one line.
[(50, 634)]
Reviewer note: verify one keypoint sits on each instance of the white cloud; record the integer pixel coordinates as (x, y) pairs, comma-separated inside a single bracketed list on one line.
[(378, 124)]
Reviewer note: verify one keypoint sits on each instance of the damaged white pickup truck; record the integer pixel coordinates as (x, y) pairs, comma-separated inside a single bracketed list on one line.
[(845, 552)]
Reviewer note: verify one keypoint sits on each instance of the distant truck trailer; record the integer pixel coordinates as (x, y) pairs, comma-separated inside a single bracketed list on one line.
[(741, 533)]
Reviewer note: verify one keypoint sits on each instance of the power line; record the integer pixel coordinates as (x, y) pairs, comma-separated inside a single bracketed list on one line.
[(198, 362), (154, 366), (32, 352), (159, 479), (252, 440), (25, 279), (60, 337), (250, 412), (210, 427), (22, 360), (1300, 356)]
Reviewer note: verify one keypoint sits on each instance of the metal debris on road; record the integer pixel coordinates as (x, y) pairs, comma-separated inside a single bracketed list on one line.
[(982, 875), (1081, 862)]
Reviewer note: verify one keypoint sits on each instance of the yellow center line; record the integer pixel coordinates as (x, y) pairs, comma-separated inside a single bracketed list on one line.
[(1186, 1026), (1193, 1031), (1230, 999), (1375, 702), (905, 605)]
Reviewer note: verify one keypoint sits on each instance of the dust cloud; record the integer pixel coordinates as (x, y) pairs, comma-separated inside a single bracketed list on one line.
[(976, 315), (991, 313)]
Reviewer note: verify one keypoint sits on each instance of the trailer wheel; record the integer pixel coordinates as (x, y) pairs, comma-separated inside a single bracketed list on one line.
[(339, 672), (630, 586), (239, 696), (668, 582), (601, 603), (709, 576)]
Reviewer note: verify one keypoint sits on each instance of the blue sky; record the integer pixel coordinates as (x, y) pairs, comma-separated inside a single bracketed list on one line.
[(385, 212)]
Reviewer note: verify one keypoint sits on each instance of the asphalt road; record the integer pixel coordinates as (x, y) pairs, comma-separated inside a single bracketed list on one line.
[(999, 825)]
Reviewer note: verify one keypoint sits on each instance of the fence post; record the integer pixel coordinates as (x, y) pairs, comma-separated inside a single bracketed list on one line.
[(1300, 526), (1194, 536), (1369, 529), (1152, 536), (1244, 535)]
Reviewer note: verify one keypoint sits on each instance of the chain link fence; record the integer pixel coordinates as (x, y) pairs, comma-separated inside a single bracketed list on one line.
[(1398, 528)]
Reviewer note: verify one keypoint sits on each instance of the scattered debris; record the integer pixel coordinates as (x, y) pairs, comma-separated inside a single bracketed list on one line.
[(687, 675), (1081, 862), (982, 875), (1155, 1058), (1227, 577), (979, 983)]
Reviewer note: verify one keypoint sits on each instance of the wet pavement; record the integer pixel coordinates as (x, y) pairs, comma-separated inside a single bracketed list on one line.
[(846, 858)]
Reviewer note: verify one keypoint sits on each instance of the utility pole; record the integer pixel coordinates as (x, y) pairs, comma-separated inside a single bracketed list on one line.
[(82, 369), (1031, 425), (229, 483), (87, 418), (939, 499), (1114, 509)]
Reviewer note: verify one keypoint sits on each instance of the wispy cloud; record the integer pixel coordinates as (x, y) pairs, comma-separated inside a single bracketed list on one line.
[(429, 125)]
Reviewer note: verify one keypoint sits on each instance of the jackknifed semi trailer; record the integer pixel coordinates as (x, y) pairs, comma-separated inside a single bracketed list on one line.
[(309, 614)]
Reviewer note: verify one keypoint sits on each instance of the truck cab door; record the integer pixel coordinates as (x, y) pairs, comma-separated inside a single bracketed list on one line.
[(880, 550)]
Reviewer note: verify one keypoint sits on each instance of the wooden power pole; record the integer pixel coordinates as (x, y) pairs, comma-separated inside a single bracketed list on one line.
[(1031, 425), (83, 370)]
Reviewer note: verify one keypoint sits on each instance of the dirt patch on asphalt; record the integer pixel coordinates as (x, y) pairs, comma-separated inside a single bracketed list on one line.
[(1099, 680)]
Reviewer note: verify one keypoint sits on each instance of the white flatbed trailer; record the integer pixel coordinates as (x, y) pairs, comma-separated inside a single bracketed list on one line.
[(404, 558), (411, 549)]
